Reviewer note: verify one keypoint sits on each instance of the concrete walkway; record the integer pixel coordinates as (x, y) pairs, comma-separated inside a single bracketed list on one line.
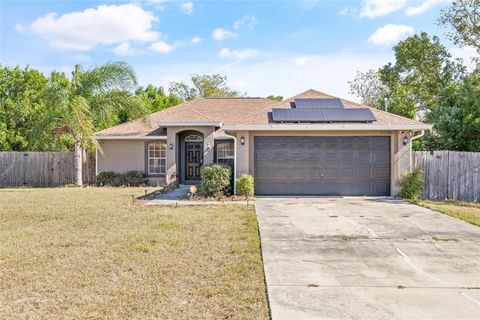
[(357, 258)]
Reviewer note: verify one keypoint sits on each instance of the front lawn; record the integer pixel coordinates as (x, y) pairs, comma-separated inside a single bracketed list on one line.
[(467, 211), (88, 253)]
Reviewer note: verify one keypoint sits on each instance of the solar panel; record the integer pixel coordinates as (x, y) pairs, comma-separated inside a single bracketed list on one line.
[(323, 115), (318, 103)]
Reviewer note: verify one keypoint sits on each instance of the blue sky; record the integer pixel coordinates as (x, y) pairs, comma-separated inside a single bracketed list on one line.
[(264, 47)]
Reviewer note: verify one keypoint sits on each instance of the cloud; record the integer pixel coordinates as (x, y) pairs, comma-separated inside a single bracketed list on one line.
[(161, 47), (80, 57), (247, 21), (423, 7), (19, 27), (265, 74), (389, 34), (237, 54), (220, 34), (196, 40), (187, 7), (104, 25), (126, 49), (377, 8)]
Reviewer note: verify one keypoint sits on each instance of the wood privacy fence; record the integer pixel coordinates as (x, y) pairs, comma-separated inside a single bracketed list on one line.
[(450, 174), (42, 169)]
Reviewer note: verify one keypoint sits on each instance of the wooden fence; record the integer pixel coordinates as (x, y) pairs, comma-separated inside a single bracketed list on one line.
[(450, 174), (42, 169)]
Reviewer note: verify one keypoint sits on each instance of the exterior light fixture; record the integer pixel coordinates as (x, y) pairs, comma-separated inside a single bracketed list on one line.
[(405, 140), (242, 140), (171, 146)]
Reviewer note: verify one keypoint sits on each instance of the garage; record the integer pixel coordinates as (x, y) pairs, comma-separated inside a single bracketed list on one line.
[(343, 166)]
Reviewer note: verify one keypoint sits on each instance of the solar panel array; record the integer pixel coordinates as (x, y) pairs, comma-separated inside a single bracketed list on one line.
[(318, 103), (323, 115)]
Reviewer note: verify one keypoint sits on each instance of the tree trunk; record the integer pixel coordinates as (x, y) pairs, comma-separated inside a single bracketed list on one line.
[(78, 164)]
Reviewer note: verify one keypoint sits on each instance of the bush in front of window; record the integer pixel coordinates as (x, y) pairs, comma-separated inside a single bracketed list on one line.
[(215, 180), (127, 179), (245, 186)]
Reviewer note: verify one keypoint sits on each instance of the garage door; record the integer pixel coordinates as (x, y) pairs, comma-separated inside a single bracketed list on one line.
[(322, 165)]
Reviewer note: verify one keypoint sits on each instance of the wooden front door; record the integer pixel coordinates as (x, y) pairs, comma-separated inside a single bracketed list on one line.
[(194, 159)]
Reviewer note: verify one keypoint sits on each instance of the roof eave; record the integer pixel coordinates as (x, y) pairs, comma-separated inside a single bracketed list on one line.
[(190, 124), (131, 137), (326, 127)]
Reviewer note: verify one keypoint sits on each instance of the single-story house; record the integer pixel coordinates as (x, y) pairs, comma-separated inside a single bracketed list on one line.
[(310, 144)]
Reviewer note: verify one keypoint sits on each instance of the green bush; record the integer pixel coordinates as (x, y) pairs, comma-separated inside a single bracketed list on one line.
[(105, 178), (114, 179), (412, 184), (245, 185), (215, 180)]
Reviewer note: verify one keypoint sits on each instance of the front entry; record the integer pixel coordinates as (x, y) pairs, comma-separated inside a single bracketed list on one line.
[(194, 160)]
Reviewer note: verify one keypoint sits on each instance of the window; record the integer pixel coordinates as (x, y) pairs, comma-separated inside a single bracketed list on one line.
[(157, 158), (193, 138), (225, 151)]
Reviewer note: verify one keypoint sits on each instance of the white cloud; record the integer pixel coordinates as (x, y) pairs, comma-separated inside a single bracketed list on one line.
[(390, 34), (237, 54), (19, 27), (410, 11), (80, 57), (104, 25), (302, 61), (161, 47), (377, 8), (220, 34), (247, 21), (261, 77), (196, 40), (344, 11), (187, 7), (125, 49)]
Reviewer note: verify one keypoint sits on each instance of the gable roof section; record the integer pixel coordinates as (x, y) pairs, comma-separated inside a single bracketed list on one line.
[(224, 110), (232, 112)]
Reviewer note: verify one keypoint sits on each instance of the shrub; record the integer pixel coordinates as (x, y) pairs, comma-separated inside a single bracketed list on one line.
[(114, 179), (412, 184), (105, 178), (245, 185), (215, 180)]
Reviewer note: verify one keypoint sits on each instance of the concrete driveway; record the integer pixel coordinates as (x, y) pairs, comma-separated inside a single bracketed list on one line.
[(360, 258)]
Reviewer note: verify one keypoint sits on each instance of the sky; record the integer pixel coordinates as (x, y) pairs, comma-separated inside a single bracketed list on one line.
[(263, 47)]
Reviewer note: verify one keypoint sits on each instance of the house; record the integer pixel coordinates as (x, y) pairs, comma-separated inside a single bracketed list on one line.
[(310, 144)]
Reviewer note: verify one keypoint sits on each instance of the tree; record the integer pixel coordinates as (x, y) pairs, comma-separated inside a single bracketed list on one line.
[(90, 101), (457, 118), (204, 86), (369, 88), (155, 98), (21, 101), (423, 70), (463, 18), (275, 98)]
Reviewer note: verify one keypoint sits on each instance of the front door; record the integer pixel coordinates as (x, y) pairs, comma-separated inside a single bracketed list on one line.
[(194, 159)]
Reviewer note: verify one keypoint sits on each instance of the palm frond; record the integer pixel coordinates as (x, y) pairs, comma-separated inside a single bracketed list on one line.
[(114, 75)]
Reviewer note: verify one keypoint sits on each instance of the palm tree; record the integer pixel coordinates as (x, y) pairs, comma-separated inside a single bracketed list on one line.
[(90, 101)]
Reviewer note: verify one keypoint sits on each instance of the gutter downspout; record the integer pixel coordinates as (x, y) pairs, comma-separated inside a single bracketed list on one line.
[(421, 134), (234, 162)]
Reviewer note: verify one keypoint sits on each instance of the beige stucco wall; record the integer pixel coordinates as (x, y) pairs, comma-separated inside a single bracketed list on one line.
[(400, 154), (124, 155)]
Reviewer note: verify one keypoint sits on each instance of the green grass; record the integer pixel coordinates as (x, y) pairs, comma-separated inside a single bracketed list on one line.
[(88, 253), (467, 211)]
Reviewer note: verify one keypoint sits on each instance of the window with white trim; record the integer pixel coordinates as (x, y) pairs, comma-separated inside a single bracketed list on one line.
[(225, 151), (157, 158)]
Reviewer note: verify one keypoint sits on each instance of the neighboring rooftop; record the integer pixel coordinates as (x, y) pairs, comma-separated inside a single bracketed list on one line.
[(233, 111)]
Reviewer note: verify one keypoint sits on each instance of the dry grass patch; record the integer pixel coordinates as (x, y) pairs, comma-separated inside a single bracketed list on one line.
[(467, 211), (76, 253)]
